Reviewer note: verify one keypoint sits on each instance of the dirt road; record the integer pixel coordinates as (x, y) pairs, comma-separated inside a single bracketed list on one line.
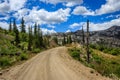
[(53, 64)]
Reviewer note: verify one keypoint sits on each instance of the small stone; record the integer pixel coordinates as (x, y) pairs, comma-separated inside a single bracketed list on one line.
[(0, 73), (96, 74)]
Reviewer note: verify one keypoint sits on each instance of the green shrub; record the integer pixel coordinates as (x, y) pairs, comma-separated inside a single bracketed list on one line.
[(75, 54), (23, 56), (97, 59), (37, 50), (93, 46), (5, 61), (112, 51)]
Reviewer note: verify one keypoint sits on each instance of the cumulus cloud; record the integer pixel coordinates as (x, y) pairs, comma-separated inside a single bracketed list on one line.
[(109, 7), (42, 16), (21, 13), (102, 26), (81, 10), (47, 31), (68, 3), (17, 4), (4, 7), (11, 5), (51, 26), (68, 31), (74, 25), (4, 25)]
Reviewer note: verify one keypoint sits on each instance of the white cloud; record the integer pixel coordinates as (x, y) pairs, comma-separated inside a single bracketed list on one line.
[(68, 3), (102, 26), (44, 17), (81, 10), (74, 25), (4, 7), (68, 31), (4, 25), (21, 13), (11, 5), (4, 18), (17, 4), (51, 26), (46, 31), (109, 7)]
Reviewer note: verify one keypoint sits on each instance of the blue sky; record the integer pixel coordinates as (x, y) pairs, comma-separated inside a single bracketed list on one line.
[(61, 15)]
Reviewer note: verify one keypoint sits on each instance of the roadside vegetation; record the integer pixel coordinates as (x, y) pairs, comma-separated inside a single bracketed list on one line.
[(105, 49), (107, 66), (104, 59), (19, 43)]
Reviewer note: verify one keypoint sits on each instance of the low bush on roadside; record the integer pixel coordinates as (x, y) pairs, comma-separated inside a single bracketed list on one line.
[(23, 56), (37, 50), (75, 53), (5, 61)]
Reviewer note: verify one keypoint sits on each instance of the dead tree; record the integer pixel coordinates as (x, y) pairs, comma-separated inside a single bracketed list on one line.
[(87, 43), (83, 37)]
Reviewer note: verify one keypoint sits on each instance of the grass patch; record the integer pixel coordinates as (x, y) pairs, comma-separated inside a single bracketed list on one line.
[(23, 56), (103, 48), (37, 50), (75, 53), (5, 61), (103, 65)]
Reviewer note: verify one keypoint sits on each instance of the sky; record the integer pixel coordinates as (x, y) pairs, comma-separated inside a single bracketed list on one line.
[(61, 15)]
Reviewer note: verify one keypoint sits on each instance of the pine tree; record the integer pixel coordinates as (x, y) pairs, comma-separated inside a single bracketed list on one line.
[(87, 44), (14, 25), (10, 26), (40, 37), (30, 39), (35, 29), (23, 25), (64, 40), (56, 40), (17, 40), (69, 40)]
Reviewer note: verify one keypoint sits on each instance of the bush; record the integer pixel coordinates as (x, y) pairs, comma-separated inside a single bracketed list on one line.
[(75, 54), (112, 51), (97, 59), (23, 56), (93, 46), (36, 50), (5, 61)]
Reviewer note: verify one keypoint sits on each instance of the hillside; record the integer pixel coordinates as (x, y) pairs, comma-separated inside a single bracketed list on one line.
[(110, 36), (9, 53)]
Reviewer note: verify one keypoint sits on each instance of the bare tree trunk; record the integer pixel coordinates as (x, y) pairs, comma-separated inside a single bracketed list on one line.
[(83, 37), (87, 44)]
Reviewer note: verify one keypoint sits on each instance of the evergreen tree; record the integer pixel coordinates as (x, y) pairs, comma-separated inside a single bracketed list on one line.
[(10, 26), (30, 38), (35, 29), (56, 40), (17, 40), (69, 40), (22, 25), (40, 37), (14, 25), (64, 40)]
